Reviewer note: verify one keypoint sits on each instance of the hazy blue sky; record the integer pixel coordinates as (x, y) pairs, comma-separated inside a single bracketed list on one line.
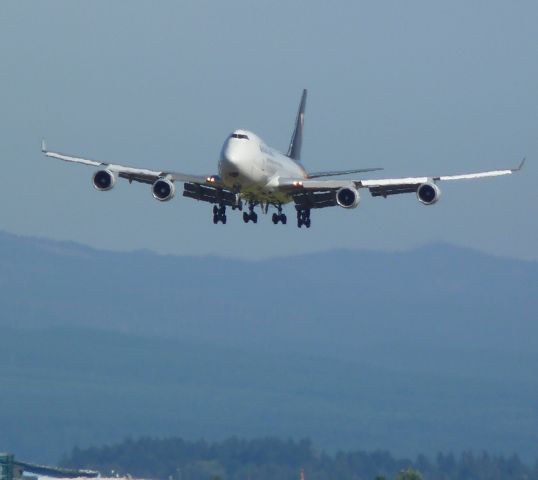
[(418, 87)]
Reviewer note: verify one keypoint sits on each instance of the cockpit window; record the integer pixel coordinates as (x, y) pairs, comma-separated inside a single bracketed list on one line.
[(239, 135)]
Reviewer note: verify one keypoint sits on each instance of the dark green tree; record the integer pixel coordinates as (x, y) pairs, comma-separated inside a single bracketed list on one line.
[(409, 474)]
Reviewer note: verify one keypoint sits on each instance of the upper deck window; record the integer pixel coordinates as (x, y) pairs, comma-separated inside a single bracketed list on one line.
[(239, 135)]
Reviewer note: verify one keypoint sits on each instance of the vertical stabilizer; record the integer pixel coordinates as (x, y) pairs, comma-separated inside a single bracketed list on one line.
[(297, 138)]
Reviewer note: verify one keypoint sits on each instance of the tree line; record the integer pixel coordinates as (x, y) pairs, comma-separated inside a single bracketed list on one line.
[(272, 459)]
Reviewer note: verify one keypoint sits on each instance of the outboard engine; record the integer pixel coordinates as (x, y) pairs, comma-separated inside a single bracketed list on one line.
[(348, 197), (163, 190), (428, 193), (103, 180)]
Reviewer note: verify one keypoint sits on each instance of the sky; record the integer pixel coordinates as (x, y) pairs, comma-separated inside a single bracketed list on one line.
[(416, 87)]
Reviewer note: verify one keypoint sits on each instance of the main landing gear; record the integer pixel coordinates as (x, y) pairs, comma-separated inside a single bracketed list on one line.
[(303, 218), (219, 214), (251, 215), (279, 217)]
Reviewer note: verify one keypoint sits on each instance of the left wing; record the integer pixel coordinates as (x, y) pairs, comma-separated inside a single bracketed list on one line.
[(322, 193), (393, 186)]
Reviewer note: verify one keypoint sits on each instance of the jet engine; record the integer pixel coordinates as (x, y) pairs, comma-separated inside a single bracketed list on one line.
[(163, 190), (348, 197), (103, 180), (428, 193)]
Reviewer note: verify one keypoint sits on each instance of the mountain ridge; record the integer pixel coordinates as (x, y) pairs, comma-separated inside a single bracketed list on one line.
[(352, 349)]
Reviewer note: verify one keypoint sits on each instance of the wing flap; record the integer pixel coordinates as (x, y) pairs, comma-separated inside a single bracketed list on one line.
[(307, 199), (204, 193), (296, 184), (393, 190), (149, 180), (187, 178)]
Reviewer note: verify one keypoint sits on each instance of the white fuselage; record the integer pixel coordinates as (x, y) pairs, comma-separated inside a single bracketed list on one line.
[(249, 166)]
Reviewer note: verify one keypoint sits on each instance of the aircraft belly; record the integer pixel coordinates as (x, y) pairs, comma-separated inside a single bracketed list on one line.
[(265, 194), (250, 179)]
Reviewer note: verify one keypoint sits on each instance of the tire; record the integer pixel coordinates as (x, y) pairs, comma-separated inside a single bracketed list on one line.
[(307, 223), (283, 219), (215, 219), (223, 219), (275, 218), (255, 218), (215, 210), (246, 217)]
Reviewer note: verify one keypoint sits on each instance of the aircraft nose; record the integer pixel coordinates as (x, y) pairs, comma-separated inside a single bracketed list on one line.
[(231, 153)]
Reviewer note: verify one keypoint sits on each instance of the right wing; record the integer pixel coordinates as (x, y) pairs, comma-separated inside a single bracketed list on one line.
[(199, 187), (131, 173)]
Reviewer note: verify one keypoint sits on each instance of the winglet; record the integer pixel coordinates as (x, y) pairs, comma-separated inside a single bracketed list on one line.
[(43, 146), (520, 165)]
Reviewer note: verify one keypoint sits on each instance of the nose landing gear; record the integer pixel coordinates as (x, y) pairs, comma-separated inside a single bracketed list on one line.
[(303, 218), (219, 214)]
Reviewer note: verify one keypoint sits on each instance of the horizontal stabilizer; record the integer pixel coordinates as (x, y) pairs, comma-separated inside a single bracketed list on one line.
[(342, 172)]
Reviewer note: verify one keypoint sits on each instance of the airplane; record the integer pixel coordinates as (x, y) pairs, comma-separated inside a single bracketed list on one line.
[(251, 172)]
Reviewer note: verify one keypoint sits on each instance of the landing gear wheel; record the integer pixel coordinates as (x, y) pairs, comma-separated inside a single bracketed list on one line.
[(219, 214), (303, 218), (250, 216), (280, 217)]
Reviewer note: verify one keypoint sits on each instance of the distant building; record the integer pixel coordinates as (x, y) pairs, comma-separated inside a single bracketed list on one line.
[(11, 469), (6, 466)]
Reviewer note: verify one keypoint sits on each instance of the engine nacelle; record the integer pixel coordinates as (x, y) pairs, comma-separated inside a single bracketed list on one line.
[(163, 190), (428, 193), (103, 180), (348, 197)]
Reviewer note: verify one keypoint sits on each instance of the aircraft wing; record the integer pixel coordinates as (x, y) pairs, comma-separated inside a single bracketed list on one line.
[(142, 175), (392, 186), (198, 187), (315, 193)]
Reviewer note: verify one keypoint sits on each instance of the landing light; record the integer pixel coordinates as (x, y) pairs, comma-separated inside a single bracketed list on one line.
[(297, 184), (211, 179)]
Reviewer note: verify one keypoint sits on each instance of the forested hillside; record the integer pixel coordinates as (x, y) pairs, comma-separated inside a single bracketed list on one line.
[(356, 350), (270, 459)]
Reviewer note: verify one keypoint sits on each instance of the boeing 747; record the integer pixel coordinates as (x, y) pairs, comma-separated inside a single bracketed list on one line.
[(252, 174)]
